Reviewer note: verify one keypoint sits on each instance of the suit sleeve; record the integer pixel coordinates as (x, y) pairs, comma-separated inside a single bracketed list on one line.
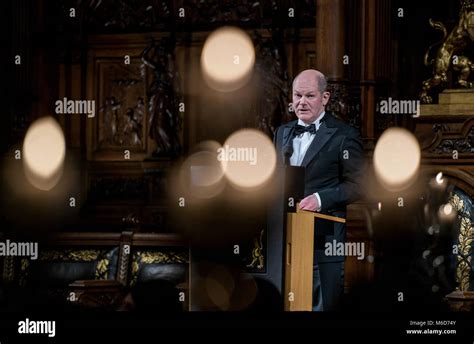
[(351, 162), (276, 145), (275, 136)]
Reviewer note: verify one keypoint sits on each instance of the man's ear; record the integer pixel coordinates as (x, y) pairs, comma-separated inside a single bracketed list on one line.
[(326, 96)]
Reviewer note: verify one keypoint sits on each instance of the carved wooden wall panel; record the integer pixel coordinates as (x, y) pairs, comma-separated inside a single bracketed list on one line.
[(121, 103), (447, 144), (119, 90)]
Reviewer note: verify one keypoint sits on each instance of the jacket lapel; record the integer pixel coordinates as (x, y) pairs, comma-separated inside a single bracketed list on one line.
[(288, 134), (323, 135)]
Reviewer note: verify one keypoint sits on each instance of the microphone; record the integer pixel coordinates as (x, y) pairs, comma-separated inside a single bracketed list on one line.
[(287, 153)]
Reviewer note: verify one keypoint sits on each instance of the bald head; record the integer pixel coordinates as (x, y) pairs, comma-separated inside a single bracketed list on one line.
[(309, 95), (318, 77)]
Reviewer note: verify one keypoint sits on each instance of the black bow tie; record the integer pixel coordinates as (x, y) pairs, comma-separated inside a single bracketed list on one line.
[(300, 129)]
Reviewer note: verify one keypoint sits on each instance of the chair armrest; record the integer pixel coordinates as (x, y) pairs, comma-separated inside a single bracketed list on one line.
[(96, 293)]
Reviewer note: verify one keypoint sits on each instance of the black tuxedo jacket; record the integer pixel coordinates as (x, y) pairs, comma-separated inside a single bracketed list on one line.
[(334, 167)]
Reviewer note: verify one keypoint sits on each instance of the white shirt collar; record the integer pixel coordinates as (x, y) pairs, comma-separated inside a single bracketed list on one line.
[(317, 122)]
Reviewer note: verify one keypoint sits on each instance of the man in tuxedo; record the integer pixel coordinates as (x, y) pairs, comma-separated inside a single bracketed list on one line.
[(332, 154)]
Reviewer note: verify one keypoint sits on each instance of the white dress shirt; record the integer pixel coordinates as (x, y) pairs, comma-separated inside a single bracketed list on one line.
[(301, 144)]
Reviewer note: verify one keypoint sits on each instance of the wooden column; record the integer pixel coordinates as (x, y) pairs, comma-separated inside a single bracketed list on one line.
[(368, 68), (330, 27)]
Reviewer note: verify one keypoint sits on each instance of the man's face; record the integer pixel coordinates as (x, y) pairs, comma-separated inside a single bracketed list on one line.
[(308, 102)]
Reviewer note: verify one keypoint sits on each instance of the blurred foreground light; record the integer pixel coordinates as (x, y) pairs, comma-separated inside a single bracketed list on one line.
[(227, 59), (447, 209), (202, 174), (248, 158), (446, 212), (439, 178), (44, 150), (220, 285), (396, 158)]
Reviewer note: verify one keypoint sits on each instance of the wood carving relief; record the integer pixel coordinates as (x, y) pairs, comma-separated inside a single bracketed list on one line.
[(150, 15), (122, 108), (448, 138), (164, 95), (137, 92)]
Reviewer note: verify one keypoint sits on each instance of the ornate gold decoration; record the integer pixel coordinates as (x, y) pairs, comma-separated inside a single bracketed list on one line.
[(162, 257), (450, 53), (466, 235), (135, 268), (70, 255), (457, 203), (8, 269), (147, 257), (257, 253), (465, 239), (24, 264), (102, 269)]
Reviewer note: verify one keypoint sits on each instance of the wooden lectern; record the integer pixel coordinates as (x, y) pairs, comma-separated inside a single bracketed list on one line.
[(299, 258)]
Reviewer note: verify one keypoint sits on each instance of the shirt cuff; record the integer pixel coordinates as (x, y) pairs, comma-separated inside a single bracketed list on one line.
[(319, 202)]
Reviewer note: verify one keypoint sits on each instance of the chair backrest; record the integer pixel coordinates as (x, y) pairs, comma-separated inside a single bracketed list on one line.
[(126, 258)]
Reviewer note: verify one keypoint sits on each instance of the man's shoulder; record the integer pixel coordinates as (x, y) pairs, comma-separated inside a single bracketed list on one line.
[(335, 122), (289, 124), (286, 125)]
